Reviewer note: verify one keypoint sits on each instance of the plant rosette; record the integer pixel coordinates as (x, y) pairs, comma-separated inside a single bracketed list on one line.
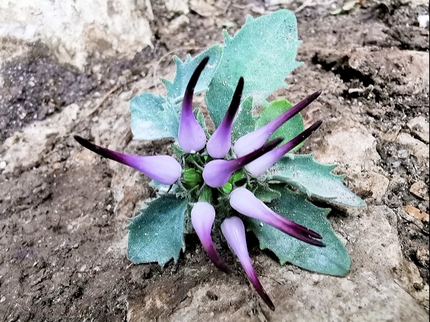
[(243, 176)]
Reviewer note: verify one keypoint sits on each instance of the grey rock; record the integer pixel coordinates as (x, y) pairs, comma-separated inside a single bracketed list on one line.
[(419, 127), (420, 189), (415, 147), (75, 29)]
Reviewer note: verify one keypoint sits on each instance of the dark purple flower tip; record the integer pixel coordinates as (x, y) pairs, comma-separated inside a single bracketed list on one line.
[(202, 218), (161, 168), (260, 165), (191, 136), (234, 232), (244, 202), (217, 172), (252, 141), (220, 142)]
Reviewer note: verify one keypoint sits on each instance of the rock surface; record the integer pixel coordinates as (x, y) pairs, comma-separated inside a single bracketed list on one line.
[(75, 29)]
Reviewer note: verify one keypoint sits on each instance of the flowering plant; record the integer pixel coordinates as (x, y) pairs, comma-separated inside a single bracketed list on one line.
[(214, 182)]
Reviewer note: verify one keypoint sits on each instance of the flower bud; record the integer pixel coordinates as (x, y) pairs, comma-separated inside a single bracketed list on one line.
[(161, 168), (234, 232), (191, 178)]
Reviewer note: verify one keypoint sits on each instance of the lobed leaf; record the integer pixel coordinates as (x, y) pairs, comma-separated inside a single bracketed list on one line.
[(263, 52), (184, 70), (155, 117), (289, 129), (157, 233), (313, 178), (332, 259), (244, 121), (266, 194)]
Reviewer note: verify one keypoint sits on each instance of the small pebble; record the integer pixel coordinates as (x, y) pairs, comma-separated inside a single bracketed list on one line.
[(403, 154), (420, 190), (396, 164)]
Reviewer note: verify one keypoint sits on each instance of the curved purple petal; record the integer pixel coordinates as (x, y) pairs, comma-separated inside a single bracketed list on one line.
[(244, 202), (191, 136), (260, 165), (161, 168), (220, 142), (234, 232), (252, 141), (202, 218), (217, 172)]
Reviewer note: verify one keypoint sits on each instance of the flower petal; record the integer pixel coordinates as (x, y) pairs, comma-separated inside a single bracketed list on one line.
[(217, 172), (161, 168), (234, 232), (260, 165), (220, 142), (244, 202), (191, 136), (202, 218), (252, 141)]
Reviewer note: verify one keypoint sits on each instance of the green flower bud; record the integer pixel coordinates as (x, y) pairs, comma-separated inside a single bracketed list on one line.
[(191, 178)]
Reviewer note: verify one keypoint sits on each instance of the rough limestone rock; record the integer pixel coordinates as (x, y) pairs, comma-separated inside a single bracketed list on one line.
[(76, 28)]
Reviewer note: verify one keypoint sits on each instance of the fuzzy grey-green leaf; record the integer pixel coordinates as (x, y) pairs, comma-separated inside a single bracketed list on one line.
[(266, 194), (184, 70), (157, 233), (313, 178), (332, 259), (293, 127), (153, 118), (245, 121), (263, 52)]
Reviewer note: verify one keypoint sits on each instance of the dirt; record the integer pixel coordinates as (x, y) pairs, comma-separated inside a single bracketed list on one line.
[(62, 219), (36, 85)]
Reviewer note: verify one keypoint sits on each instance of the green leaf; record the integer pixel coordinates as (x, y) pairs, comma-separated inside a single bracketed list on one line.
[(177, 150), (163, 188), (206, 194), (244, 121), (227, 188), (237, 176), (266, 194), (263, 52), (152, 118), (201, 119), (290, 129), (157, 233), (184, 70), (313, 178), (332, 259)]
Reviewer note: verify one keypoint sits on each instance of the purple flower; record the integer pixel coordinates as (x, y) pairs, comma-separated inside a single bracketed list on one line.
[(252, 152), (252, 141), (234, 232), (161, 168), (191, 136), (202, 218), (217, 172), (260, 165), (220, 142), (244, 202)]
